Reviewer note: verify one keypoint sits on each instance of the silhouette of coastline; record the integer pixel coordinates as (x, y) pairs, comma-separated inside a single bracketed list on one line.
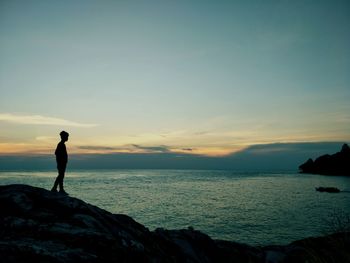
[(38, 225), (335, 164)]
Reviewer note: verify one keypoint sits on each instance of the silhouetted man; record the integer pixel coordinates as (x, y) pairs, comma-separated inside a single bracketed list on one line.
[(61, 159)]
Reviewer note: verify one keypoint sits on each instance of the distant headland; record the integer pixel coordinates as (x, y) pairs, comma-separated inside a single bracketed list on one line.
[(335, 164)]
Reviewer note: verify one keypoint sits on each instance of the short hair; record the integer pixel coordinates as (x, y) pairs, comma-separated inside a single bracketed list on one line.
[(64, 134)]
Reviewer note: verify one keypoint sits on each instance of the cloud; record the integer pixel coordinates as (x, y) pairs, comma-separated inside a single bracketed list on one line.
[(133, 148), (41, 120), (98, 148), (201, 133), (161, 148), (300, 148), (187, 149)]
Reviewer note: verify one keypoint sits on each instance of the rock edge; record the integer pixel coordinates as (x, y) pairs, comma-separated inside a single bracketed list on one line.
[(37, 225)]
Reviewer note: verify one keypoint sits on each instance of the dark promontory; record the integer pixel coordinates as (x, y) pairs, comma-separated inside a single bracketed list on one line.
[(335, 164), (37, 225)]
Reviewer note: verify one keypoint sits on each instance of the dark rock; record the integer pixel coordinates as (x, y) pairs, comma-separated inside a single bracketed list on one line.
[(335, 164), (328, 189), (332, 248), (37, 225), (308, 166)]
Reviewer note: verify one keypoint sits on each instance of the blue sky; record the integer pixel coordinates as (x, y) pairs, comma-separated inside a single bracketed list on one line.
[(210, 76)]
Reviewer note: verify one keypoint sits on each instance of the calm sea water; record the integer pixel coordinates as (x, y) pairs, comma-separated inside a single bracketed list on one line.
[(254, 208)]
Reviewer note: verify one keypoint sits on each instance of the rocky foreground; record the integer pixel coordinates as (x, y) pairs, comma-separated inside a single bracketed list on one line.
[(37, 225)]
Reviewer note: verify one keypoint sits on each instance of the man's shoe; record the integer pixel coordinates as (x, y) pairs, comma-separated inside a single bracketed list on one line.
[(54, 190), (63, 192)]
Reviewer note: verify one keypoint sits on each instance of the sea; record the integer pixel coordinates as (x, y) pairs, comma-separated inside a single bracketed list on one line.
[(256, 208)]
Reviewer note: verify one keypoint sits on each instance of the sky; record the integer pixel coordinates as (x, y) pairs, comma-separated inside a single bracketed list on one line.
[(200, 77)]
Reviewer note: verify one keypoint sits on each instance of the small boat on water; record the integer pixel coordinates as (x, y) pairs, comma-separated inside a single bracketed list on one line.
[(328, 189)]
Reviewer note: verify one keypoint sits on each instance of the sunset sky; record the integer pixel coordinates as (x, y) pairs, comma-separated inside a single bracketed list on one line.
[(205, 77)]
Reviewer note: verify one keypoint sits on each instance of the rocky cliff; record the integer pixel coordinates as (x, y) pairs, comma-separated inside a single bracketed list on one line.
[(335, 164), (37, 225)]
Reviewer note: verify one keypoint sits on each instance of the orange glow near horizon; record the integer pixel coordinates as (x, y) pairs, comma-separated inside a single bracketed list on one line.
[(31, 149), (47, 145), (102, 140)]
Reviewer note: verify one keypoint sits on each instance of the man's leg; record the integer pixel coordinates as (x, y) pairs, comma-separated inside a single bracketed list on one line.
[(58, 181), (54, 188), (60, 177)]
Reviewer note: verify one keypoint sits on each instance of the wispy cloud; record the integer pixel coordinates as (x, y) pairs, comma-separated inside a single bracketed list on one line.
[(187, 149), (162, 148), (98, 148), (131, 148), (41, 120)]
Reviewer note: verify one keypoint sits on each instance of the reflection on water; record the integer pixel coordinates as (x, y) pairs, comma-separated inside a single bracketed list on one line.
[(246, 207)]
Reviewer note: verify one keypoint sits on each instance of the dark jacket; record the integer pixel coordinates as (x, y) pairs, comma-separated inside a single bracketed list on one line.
[(61, 154)]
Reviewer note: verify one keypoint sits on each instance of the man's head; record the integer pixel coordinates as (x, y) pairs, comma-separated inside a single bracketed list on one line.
[(64, 136)]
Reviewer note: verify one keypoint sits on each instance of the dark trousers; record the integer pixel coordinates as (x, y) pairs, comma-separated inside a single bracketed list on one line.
[(59, 180)]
